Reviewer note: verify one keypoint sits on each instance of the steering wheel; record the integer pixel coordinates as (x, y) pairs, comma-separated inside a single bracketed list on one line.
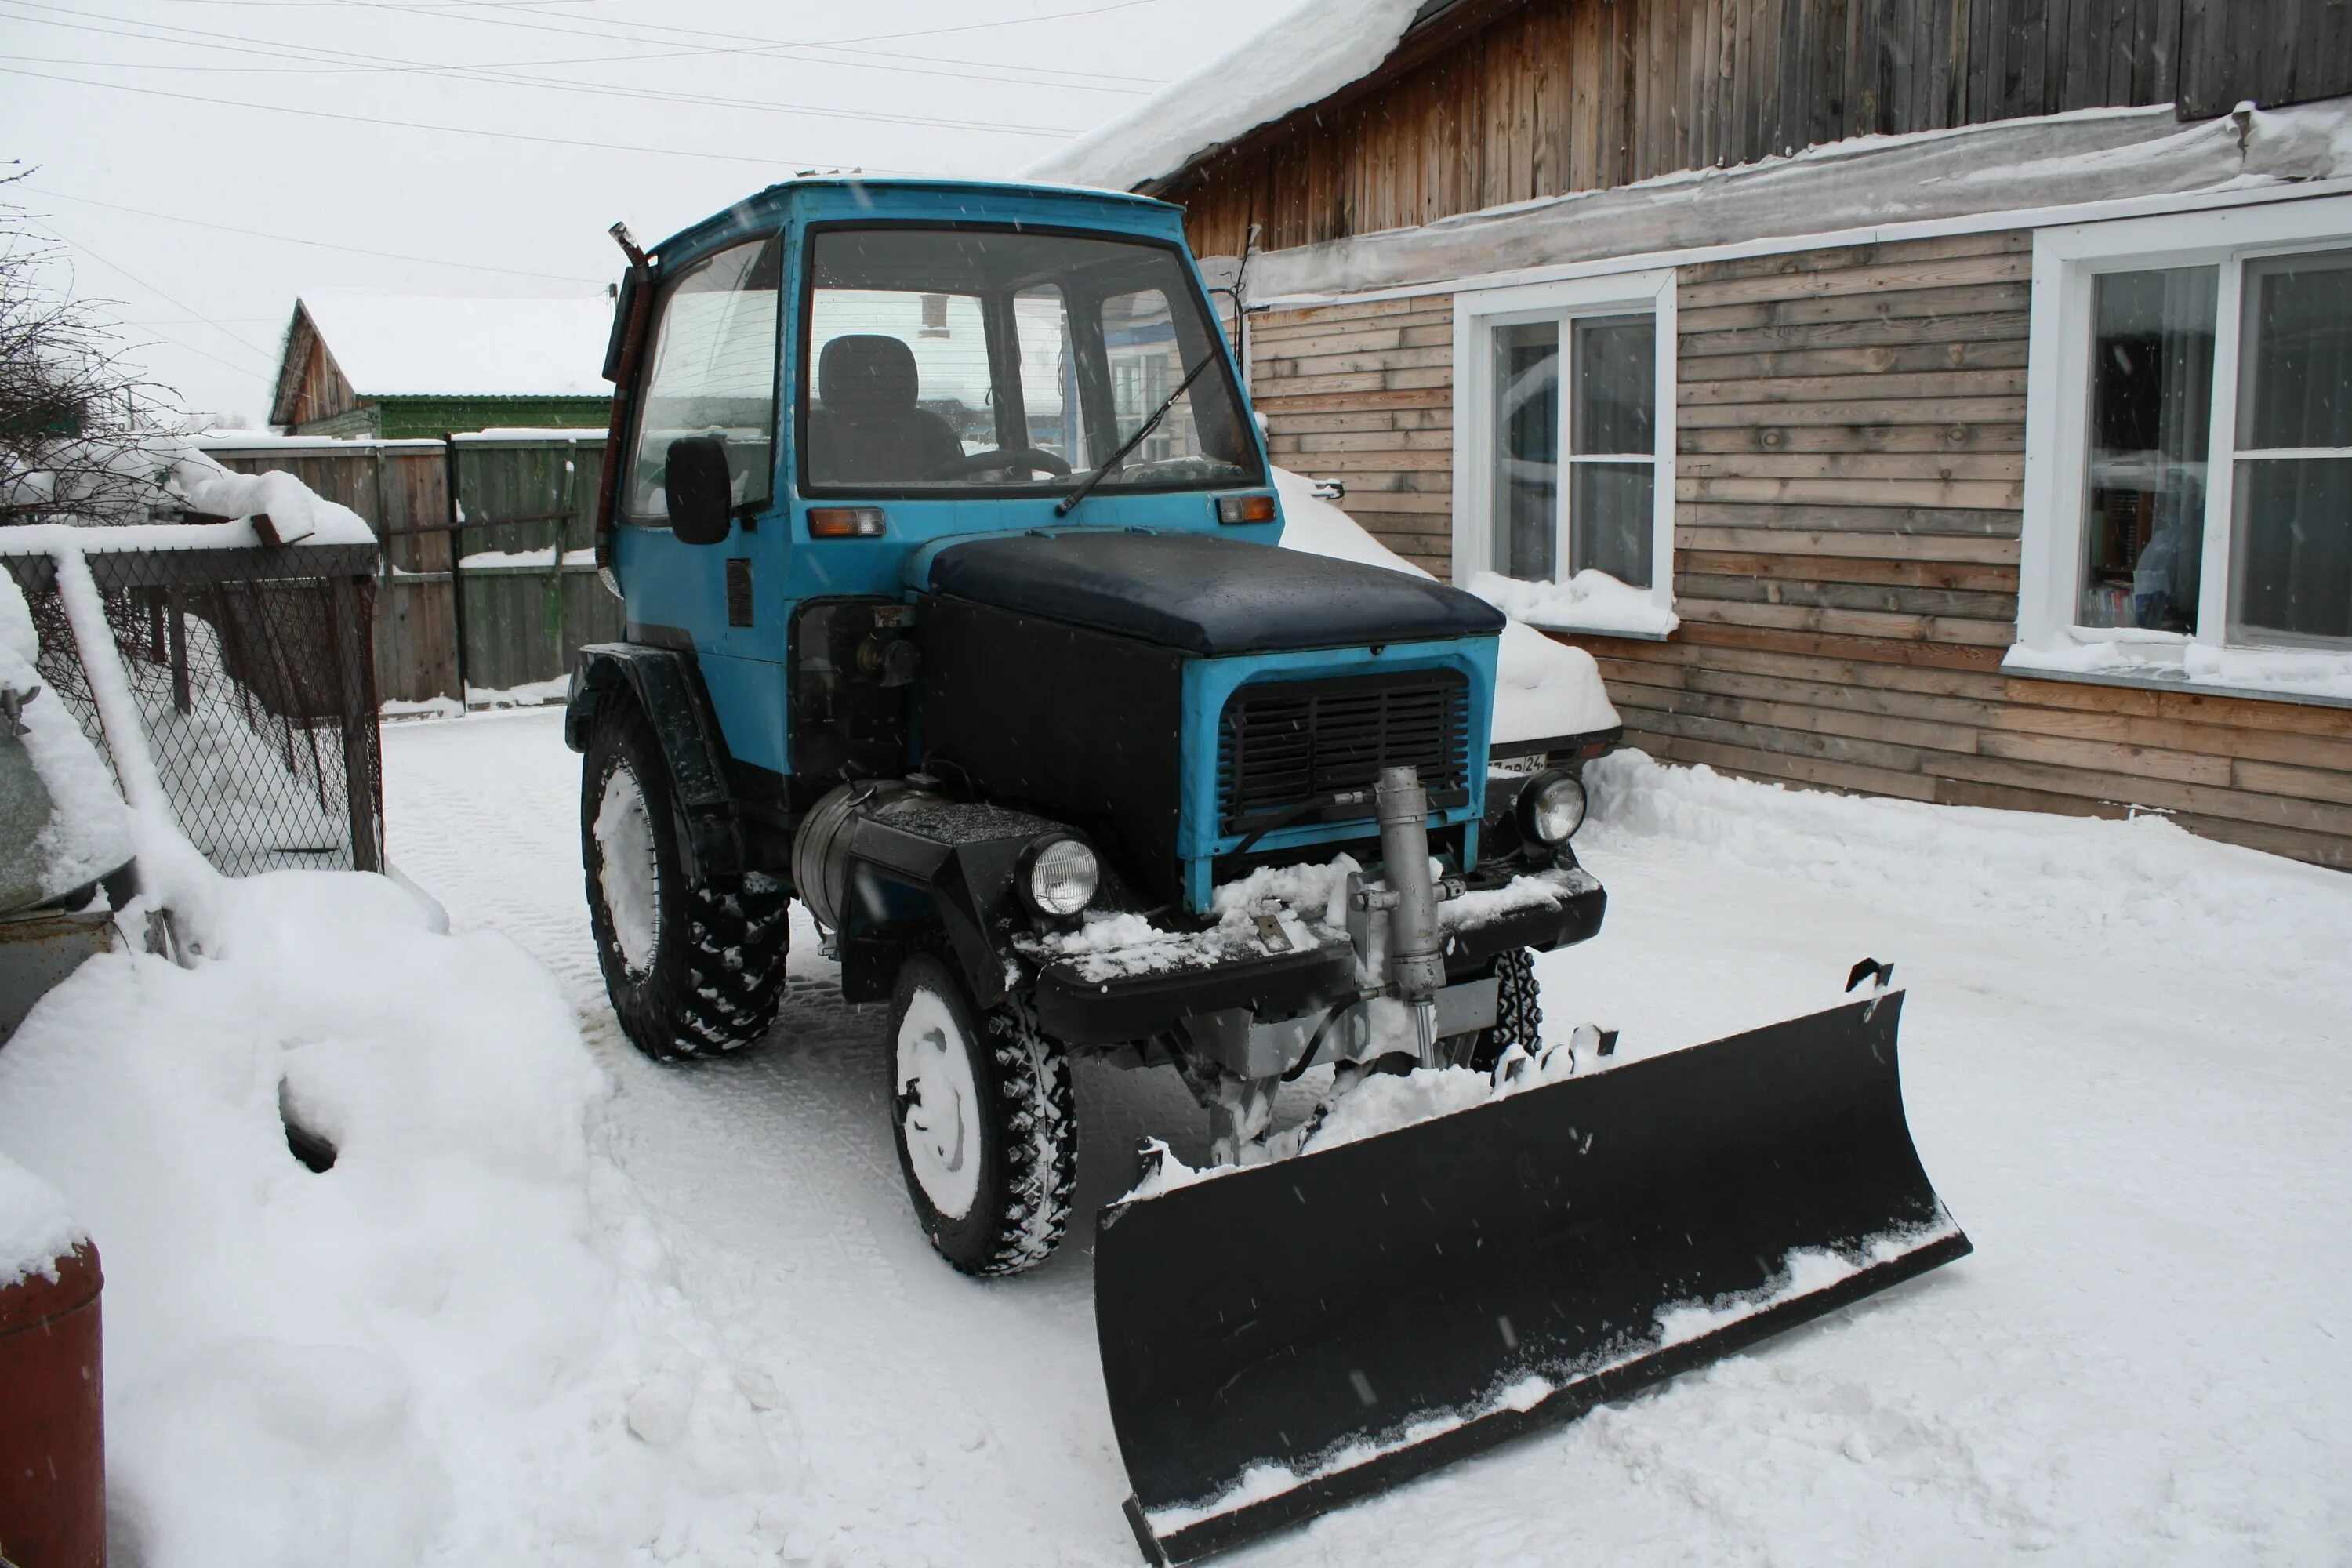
[(1001, 458)]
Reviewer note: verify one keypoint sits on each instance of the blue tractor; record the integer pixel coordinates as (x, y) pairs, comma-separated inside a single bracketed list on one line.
[(955, 610)]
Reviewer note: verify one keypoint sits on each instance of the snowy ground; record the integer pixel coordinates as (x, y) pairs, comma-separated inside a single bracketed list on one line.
[(2125, 1070)]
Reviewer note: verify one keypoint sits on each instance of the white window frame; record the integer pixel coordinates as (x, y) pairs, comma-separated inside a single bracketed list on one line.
[(1476, 313), (2066, 261)]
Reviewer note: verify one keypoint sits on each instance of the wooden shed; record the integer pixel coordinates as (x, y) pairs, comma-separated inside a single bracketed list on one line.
[(1947, 399), (357, 362)]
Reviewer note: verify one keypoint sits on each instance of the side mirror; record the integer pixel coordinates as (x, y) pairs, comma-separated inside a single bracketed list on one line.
[(698, 488)]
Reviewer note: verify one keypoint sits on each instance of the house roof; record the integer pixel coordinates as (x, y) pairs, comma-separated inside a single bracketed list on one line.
[(1316, 49), (394, 345)]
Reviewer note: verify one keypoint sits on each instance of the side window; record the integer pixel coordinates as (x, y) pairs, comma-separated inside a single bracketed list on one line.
[(712, 373), (1613, 447), (2291, 582), (1527, 450), (2150, 425), (1577, 493)]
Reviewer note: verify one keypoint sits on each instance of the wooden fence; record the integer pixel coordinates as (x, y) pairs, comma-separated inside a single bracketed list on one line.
[(523, 595)]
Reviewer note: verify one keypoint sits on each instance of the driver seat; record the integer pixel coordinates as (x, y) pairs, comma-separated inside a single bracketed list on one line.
[(866, 427)]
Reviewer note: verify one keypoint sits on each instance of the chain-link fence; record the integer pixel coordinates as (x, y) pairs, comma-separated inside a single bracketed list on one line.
[(254, 673)]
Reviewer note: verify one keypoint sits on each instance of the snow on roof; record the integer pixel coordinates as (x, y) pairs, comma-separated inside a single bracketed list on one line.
[(1313, 51), (393, 345), (2021, 173)]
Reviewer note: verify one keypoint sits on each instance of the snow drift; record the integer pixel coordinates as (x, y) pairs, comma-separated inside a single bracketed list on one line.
[(459, 1340), (458, 1343), (89, 834)]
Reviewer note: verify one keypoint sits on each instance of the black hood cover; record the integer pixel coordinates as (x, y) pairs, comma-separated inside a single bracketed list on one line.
[(1207, 595)]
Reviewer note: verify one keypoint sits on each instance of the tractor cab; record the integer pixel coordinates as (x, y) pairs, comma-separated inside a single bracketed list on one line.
[(838, 372)]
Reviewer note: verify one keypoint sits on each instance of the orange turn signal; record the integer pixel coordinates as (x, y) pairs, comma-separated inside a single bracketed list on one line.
[(1245, 509), (844, 523)]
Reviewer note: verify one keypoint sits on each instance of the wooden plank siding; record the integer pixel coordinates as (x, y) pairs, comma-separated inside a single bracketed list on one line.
[(1846, 567), (1364, 394), (1849, 445), (1540, 99)]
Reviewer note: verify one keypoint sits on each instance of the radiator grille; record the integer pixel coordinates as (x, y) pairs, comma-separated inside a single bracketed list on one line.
[(1283, 742)]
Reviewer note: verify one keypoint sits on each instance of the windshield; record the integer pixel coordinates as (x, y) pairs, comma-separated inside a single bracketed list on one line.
[(953, 359)]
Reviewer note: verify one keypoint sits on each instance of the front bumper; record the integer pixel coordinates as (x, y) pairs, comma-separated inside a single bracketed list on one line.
[(1280, 967)]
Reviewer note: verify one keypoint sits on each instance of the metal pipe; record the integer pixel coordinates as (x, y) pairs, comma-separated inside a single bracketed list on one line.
[(456, 530), (1416, 963)]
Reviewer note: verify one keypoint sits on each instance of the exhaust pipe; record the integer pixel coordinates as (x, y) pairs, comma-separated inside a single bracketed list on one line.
[(1416, 963)]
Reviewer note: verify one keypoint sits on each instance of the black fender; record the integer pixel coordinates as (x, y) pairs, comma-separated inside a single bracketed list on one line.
[(965, 858), (667, 686)]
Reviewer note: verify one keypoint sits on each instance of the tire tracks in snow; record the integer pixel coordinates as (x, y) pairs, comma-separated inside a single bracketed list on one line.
[(774, 1191)]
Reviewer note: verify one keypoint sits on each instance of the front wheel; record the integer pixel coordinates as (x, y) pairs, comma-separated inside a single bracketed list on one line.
[(1519, 1015), (986, 1126), (692, 970)]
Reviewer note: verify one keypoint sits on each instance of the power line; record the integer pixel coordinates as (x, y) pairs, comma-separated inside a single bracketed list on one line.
[(74, 245), (769, 163), (755, 46), (1094, 81), (483, 74), (420, 6), (315, 244), (583, 60)]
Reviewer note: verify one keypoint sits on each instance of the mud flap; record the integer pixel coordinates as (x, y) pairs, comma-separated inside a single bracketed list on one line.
[(1283, 1339)]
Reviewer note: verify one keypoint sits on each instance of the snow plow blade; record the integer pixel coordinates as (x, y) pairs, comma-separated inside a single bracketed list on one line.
[(1283, 1339)]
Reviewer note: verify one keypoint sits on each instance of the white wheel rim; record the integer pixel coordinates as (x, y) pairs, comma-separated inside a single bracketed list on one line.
[(940, 1123), (627, 873)]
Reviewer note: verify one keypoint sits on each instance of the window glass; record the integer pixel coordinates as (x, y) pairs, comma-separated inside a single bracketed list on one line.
[(2293, 535), (713, 373), (1616, 386), (1611, 508), (1146, 365), (1049, 372), (872, 344), (1526, 450), (1614, 506), (2151, 411), (933, 350)]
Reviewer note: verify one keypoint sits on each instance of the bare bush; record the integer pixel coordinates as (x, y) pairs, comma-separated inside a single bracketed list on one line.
[(78, 426)]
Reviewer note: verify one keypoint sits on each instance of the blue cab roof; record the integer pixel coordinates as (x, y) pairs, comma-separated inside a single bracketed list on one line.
[(831, 196)]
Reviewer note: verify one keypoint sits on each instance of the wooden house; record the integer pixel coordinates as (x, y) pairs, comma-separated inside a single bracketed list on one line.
[(1945, 399), (356, 363)]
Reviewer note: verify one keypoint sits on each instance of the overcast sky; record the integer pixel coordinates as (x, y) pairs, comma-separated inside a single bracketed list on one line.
[(397, 135)]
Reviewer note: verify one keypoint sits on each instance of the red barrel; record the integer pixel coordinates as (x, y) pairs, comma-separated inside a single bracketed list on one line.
[(53, 1418)]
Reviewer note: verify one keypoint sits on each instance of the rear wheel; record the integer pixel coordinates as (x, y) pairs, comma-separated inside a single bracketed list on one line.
[(692, 970), (1519, 1015), (986, 1127)]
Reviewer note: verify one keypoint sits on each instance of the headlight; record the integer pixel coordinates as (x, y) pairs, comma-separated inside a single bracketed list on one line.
[(1062, 876), (1551, 808)]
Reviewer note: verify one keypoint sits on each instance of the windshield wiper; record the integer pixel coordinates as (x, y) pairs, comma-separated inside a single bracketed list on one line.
[(1070, 503)]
